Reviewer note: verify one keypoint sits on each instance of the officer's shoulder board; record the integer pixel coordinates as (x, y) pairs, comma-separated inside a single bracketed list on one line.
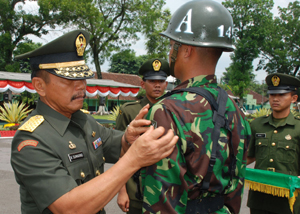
[(297, 117), (131, 103), (31, 124)]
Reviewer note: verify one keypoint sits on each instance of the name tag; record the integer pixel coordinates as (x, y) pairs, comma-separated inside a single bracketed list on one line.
[(75, 156), (260, 135)]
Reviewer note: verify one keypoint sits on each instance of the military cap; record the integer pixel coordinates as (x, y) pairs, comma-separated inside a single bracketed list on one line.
[(155, 69), (281, 83), (63, 57)]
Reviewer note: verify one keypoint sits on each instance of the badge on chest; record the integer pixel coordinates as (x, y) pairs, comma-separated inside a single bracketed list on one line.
[(97, 143)]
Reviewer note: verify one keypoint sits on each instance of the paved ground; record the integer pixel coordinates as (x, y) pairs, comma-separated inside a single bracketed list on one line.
[(9, 197)]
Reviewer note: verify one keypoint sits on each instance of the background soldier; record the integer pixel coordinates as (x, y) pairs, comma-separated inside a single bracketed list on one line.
[(205, 172), (58, 153), (154, 72), (275, 144)]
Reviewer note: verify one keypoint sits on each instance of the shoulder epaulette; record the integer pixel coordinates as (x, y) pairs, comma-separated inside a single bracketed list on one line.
[(131, 103), (31, 124), (297, 117)]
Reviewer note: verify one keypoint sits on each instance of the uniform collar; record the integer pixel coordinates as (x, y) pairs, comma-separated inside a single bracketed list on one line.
[(58, 121), (145, 101), (201, 80), (290, 120)]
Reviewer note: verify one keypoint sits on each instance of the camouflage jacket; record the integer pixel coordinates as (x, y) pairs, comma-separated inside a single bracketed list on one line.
[(170, 183)]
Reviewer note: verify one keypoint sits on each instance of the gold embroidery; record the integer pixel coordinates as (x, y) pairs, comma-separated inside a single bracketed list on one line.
[(31, 124)]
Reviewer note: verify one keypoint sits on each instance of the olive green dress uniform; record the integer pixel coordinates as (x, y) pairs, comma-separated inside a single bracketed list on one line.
[(58, 155), (50, 153), (275, 144), (153, 69), (128, 112)]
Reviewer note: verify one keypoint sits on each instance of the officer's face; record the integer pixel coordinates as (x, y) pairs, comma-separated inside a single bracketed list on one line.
[(281, 102), (63, 95), (154, 88)]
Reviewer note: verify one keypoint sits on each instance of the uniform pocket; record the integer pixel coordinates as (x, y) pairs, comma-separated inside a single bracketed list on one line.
[(286, 151), (261, 148), (80, 170)]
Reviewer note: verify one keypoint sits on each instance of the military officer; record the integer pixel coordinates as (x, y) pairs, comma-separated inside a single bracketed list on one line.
[(275, 144), (59, 152), (155, 72)]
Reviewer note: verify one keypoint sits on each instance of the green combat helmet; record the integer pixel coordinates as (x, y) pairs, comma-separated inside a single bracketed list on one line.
[(202, 23), (63, 57), (155, 69)]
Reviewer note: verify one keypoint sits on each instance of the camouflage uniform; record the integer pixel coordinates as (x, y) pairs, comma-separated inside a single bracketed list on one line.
[(169, 184)]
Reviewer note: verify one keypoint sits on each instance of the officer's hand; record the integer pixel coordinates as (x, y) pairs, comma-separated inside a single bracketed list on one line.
[(123, 200), (152, 146), (138, 126)]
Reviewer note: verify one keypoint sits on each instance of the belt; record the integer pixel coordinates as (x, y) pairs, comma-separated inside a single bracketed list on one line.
[(205, 205)]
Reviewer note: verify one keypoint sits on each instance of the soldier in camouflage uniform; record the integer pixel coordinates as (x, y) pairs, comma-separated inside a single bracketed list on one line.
[(199, 32), (155, 72)]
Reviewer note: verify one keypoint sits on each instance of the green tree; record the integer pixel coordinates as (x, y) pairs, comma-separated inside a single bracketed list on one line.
[(281, 52), (17, 23), (156, 45), (126, 62), (250, 18), (114, 25)]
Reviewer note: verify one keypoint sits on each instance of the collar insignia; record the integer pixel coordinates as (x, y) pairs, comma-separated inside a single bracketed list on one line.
[(156, 65), (72, 145), (80, 44), (275, 80), (93, 134), (31, 124), (288, 137)]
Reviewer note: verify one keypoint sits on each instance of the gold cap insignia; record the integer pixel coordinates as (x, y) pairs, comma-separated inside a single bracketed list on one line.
[(275, 80), (31, 124), (72, 145), (80, 44), (288, 137), (156, 65)]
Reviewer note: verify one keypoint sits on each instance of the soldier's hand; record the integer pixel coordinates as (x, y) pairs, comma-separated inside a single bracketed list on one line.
[(138, 126), (123, 199), (152, 146)]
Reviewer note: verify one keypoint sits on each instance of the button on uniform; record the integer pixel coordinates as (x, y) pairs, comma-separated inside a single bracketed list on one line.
[(273, 144), (98, 173), (82, 174), (271, 160), (275, 131)]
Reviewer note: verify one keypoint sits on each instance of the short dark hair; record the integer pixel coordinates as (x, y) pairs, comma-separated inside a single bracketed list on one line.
[(42, 74)]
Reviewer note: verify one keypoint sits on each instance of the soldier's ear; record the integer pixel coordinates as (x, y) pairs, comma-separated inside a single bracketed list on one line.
[(143, 84), (294, 98), (39, 85)]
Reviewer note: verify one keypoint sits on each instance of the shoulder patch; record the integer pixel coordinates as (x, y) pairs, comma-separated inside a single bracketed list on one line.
[(31, 124), (27, 143)]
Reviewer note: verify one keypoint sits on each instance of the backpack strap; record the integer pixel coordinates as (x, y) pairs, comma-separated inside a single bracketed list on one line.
[(219, 120)]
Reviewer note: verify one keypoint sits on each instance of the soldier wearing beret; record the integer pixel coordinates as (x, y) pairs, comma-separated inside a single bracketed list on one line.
[(58, 153), (274, 144), (155, 72)]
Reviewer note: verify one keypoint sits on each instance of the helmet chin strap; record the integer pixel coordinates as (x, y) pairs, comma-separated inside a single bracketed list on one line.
[(174, 57)]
